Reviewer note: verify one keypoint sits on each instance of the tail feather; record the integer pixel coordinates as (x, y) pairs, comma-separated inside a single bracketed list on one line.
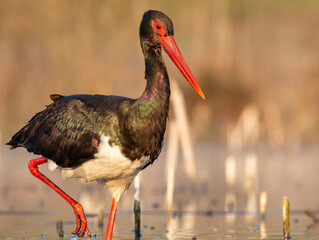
[(18, 140)]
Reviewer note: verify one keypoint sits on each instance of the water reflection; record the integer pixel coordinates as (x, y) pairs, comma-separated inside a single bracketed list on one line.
[(263, 229), (188, 220), (251, 181), (172, 227), (230, 222), (182, 223)]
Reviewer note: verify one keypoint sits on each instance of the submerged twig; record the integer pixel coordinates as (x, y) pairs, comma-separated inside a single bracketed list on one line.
[(59, 228), (314, 218), (137, 208)]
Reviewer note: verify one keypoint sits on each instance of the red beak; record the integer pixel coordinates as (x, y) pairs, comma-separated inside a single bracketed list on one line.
[(170, 47)]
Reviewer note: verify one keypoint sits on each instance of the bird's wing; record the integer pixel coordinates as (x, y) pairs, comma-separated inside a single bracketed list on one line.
[(65, 132)]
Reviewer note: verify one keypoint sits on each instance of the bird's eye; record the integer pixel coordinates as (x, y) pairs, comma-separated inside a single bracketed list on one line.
[(159, 28)]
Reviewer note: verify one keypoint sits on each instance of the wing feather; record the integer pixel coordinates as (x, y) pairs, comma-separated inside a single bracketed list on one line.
[(63, 132)]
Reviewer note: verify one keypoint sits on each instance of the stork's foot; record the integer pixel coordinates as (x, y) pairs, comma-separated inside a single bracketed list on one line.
[(81, 223)]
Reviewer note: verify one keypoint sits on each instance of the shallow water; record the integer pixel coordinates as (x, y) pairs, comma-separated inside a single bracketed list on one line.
[(30, 210), (155, 225)]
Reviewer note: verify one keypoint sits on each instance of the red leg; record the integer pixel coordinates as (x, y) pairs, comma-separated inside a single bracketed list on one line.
[(110, 225), (78, 209)]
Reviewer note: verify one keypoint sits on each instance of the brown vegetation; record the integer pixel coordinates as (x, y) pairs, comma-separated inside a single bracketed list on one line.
[(241, 52)]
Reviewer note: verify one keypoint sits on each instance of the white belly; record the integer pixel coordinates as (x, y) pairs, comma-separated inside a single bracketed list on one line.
[(109, 166)]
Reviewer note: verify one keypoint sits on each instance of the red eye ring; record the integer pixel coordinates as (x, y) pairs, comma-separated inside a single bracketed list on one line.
[(160, 29)]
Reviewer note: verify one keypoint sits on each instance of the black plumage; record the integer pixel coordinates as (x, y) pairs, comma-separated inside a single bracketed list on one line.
[(68, 131)]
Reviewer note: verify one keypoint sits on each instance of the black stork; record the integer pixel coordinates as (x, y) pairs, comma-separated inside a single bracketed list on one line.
[(108, 139)]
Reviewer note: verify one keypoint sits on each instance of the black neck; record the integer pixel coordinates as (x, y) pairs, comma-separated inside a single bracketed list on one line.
[(146, 122), (155, 72)]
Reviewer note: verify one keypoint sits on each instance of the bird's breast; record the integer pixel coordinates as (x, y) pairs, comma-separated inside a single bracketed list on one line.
[(109, 165)]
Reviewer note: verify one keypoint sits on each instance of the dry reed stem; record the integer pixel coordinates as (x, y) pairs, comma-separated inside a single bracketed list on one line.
[(286, 217), (179, 107), (172, 152)]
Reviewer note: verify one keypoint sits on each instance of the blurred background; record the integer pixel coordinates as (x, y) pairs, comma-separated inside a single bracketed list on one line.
[(256, 61)]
